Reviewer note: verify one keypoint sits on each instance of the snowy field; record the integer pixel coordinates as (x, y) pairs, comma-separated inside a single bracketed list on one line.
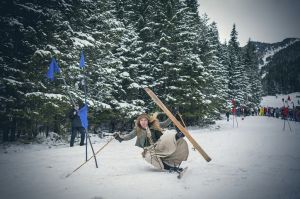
[(256, 160), (276, 100)]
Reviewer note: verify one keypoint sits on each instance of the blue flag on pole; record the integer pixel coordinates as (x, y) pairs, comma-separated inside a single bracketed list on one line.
[(53, 68), (83, 114), (81, 62)]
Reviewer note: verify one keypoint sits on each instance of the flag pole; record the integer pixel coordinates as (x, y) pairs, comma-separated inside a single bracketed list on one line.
[(82, 65), (237, 124), (54, 68), (285, 115), (234, 112)]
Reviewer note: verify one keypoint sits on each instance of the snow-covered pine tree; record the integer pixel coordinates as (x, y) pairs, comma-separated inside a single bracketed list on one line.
[(165, 72), (148, 50), (27, 27), (224, 58), (252, 71), (140, 60), (217, 69), (192, 74), (127, 44), (237, 79), (58, 29), (129, 55)]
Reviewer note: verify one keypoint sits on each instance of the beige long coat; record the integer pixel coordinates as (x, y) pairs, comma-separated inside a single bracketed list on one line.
[(165, 148)]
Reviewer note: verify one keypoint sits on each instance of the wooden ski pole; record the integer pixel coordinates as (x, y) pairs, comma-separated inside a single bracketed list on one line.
[(180, 116), (90, 158)]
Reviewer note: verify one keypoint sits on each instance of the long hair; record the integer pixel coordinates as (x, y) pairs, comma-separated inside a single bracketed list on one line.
[(153, 123)]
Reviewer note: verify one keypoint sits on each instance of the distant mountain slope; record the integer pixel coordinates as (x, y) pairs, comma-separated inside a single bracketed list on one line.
[(280, 66), (266, 51)]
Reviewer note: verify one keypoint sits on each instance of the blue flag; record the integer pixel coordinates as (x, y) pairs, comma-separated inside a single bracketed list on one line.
[(83, 114), (53, 68), (81, 62)]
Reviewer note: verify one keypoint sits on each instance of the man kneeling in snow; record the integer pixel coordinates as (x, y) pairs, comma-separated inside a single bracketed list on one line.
[(164, 150)]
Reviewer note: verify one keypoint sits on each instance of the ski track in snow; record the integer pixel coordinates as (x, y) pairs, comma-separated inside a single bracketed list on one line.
[(256, 160)]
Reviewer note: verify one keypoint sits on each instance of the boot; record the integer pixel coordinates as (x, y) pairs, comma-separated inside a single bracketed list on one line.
[(172, 169)]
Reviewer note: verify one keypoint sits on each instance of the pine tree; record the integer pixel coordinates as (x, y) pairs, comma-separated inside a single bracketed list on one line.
[(191, 74), (166, 71), (237, 79), (218, 73), (127, 44), (252, 71), (130, 57), (225, 61), (25, 25)]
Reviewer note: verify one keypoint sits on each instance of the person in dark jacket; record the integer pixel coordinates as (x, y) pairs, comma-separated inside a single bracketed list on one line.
[(76, 125), (227, 115)]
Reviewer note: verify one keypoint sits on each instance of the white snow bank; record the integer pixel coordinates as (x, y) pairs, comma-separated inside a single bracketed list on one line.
[(256, 160), (276, 101)]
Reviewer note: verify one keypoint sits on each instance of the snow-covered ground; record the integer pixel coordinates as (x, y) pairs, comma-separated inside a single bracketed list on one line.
[(276, 101), (256, 160)]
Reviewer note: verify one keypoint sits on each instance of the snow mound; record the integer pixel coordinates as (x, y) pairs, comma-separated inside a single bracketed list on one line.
[(276, 101), (53, 139)]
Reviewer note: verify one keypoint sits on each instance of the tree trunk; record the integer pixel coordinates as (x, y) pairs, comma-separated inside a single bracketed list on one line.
[(6, 130), (5, 134), (47, 130), (13, 130)]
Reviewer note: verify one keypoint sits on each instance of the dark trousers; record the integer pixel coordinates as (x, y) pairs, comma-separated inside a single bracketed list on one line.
[(227, 116), (74, 133)]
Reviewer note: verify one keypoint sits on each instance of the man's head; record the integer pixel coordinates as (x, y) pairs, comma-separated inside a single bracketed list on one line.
[(76, 107)]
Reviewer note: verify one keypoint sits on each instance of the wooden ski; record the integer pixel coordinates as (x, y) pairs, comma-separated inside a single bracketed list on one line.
[(177, 123)]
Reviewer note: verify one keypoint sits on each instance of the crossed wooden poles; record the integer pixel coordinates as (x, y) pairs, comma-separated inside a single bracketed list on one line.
[(175, 122)]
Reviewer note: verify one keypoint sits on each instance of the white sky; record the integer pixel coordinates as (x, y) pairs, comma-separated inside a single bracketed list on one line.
[(261, 20)]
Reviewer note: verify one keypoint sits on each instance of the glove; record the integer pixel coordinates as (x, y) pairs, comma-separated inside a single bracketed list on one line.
[(117, 137), (179, 134), (174, 111)]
